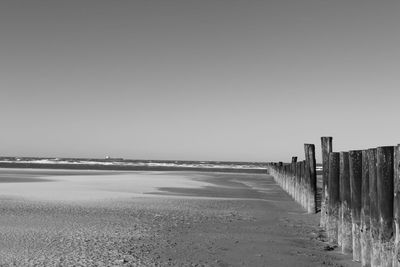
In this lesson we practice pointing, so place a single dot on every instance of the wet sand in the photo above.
(98, 218)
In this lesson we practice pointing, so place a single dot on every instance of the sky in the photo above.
(197, 80)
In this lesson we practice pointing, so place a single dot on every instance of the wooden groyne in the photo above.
(360, 198)
(299, 179)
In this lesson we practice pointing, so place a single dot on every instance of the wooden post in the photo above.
(345, 198)
(293, 177)
(296, 178)
(326, 145)
(311, 171)
(289, 178)
(396, 207)
(306, 183)
(298, 182)
(365, 212)
(305, 186)
(302, 186)
(284, 178)
(355, 184)
(385, 203)
(374, 210)
(288, 184)
(333, 201)
(301, 182)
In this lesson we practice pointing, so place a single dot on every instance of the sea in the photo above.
(131, 165)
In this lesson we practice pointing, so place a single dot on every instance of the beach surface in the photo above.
(111, 218)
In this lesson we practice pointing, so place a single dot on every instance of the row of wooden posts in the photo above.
(360, 199)
(299, 179)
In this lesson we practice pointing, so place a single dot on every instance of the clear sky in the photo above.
(197, 80)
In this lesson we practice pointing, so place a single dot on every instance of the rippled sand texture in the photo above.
(154, 219)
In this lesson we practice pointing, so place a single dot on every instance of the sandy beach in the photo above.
(110, 218)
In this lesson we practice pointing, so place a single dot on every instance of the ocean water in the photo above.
(126, 164)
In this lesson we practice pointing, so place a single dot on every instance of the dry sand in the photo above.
(96, 218)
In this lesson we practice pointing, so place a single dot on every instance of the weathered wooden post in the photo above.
(293, 177)
(300, 190)
(296, 182)
(355, 184)
(385, 177)
(275, 174)
(345, 229)
(288, 179)
(306, 182)
(365, 212)
(309, 150)
(279, 176)
(301, 181)
(396, 207)
(340, 210)
(302, 193)
(304, 170)
(284, 178)
(333, 201)
(374, 209)
(326, 145)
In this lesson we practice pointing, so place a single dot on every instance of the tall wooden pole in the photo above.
(302, 184)
(309, 150)
(326, 145)
(296, 181)
(293, 177)
(385, 177)
(333, 201)
(374, 209)
(355, 184)
(365, 212)
(345, 197)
